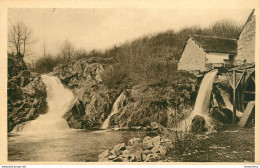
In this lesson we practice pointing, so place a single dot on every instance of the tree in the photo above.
(19, 38)
(67, 50)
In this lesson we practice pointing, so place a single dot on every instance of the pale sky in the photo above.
(103, 28)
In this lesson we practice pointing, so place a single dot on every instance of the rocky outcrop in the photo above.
(26, 93)
(148, 103)
(148, 149)
(93, 101)
(144, 103)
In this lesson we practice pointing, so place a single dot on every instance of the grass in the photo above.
(232, 144)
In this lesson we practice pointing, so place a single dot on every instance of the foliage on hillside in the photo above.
(149, 57)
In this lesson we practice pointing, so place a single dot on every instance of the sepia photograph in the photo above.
(131, 85)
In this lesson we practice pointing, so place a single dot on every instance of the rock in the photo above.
(126, 160)
(147, 152)
(139, 156)
(154, 157)
(162, 151)
(223, 115)
(147, 138)
(26, 94)
(154, 125)
(153, 142)
(198, 124)
(134, 141)
(103, 155)
(155, 150)
(129, 147)
(166, 142)
(119, 148)
(132, 158)
(113, 152)
(111, 157)
(125, 153)
(118, 159)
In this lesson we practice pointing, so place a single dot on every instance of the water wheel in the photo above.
(248, 91)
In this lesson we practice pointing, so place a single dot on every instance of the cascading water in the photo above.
(58, 99)
(118, 103)
(225, 97)
(201, 107)
(227, 102)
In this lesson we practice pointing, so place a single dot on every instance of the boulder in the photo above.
(155, 125)
(153, 142)
(111, 157)
(134, 141)
(119, 148)
(103, 156)
(198, 124)
(224, 115)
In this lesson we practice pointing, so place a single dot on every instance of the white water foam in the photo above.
(59, 99)
(201, 107)
(118, 103)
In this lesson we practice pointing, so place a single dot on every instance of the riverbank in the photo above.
(231, 144)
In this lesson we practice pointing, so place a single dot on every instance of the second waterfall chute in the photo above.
(115, 109)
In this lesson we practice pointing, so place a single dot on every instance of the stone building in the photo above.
(202, 53)
(246, 41)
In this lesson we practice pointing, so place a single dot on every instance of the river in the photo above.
(70, 145)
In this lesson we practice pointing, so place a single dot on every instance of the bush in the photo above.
(114, 76)
(46, 64)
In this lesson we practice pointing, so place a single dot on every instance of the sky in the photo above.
(103, 28)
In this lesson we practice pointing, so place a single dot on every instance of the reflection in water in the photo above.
(69, 145)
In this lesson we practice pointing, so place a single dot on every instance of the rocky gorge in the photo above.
(151, 105)
(26, 93)
(142, 103)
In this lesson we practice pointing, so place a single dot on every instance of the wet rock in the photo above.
(223, 115)
(198, 124)
(26, 94)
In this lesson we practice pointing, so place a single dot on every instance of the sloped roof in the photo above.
(248, 19)
(216, 44)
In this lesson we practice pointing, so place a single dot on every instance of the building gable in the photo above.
(246, 41)
(193, 57)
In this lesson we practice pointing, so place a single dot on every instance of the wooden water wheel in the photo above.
(248, 90)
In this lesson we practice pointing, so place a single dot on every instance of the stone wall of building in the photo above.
(246, 42)
(193, 57)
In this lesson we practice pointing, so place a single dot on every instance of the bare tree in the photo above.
(67, 50)
(19, 37)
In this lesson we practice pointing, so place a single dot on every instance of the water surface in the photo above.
(70, 146)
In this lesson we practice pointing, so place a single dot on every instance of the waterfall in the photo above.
(117, 104)
(227, 102)
(225, 97)
(58, 100)
(201, 107)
